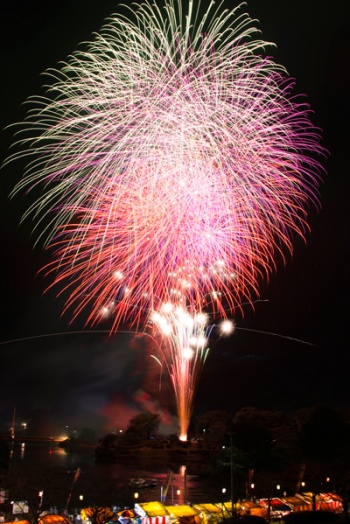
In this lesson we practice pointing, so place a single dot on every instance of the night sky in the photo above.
(85, 379)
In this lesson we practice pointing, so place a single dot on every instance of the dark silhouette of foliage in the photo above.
(324, 433)
(145, 424)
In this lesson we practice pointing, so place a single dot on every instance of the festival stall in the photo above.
(183, 514)
(324, 501)
(152, 513)
(16, 522)
(331, 502)
(249, 507)
(53, 519)
(276, 508)
(297, 503)
(226, 509)
(209, 513)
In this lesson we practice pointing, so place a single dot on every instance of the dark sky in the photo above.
(92, 379)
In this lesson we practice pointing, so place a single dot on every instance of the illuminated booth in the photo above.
(183, 514)
(152, 513)
(209, 513)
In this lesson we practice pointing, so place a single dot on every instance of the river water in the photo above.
(180, 482)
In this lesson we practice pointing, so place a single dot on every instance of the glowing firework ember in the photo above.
(176, 166)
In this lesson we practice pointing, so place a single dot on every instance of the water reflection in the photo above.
(184, 484)
(45, 454)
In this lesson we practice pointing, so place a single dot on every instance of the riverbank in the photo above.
(172, 455)
(174, 451)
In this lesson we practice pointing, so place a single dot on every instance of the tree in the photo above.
(109, 441)
(214, 425)
(251, 435)
(143, 426)
(323, 432)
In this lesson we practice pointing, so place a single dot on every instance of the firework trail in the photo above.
(176, 167)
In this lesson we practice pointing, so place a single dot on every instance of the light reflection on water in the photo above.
(184, 486)
(50, 455)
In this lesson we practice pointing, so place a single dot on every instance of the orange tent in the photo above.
(54, 519)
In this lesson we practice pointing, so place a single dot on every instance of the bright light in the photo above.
(167, 307)
(199, 341)
(156, 316)
(105, 311)
(201, 318)
(226, 327)
(166, 328)
(188, 353)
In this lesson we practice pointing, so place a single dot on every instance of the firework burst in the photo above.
(175, 161)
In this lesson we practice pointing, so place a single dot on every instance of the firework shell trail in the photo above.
(176, 163)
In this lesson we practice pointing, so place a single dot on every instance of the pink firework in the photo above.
(176, 165)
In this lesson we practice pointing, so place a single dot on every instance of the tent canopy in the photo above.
(182, 511)
(151, 509)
